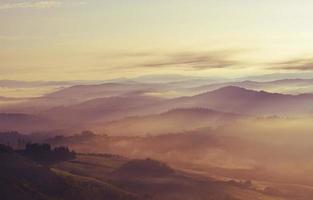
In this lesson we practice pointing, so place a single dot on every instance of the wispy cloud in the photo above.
(36, 4)
(18, 38)
(194, 60)
(31, 4)
(300, 64)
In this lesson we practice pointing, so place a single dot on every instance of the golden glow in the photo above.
(70, 40)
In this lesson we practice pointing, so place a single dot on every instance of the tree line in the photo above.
(41, 153)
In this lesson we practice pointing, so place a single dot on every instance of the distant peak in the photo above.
(234, 90)
(194, 110)
(231, 88)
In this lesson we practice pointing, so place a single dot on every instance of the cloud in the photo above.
(17, 38)
(35, 4)
(193, 60)
(301, 64)
(31, 4)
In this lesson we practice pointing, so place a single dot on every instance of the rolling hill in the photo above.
(96, 113)
(87, 92)
(155, 180)
(286, 86)
(25, 123)
(244, 101)
(21, 179)
(104, 109)
(168, 122)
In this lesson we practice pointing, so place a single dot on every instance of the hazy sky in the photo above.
(101, 39)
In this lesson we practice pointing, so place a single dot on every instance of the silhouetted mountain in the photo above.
(104, 109)
(167, 122)
(81, 93)
(87, 92)
(24, 122)
(244, 101)
(95, 113)
(287, 86)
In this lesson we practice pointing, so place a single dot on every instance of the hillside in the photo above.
(155, 180)
(104, 109)
(168, 122)
(260, 150)
(83, 93)
(97, 112)
(105, 176)
(147, 168)
(25, 122)
(287, 86)
(244, 101)
(21, 179)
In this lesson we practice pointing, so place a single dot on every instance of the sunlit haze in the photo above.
(156, 100)
(105, 39)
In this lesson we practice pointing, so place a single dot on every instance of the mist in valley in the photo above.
(265, 149)
(156, 100)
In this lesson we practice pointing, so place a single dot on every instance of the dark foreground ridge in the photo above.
(23, 179)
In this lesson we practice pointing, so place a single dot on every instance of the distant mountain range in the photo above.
(25, 122)
(31, 84)
(286, 86)
(74, 92)
(87, 92)
(84, 105)
(176, 120)
(244, 101)
(230, 99)
(103, 109)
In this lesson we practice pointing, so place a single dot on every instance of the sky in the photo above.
(104, 39)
